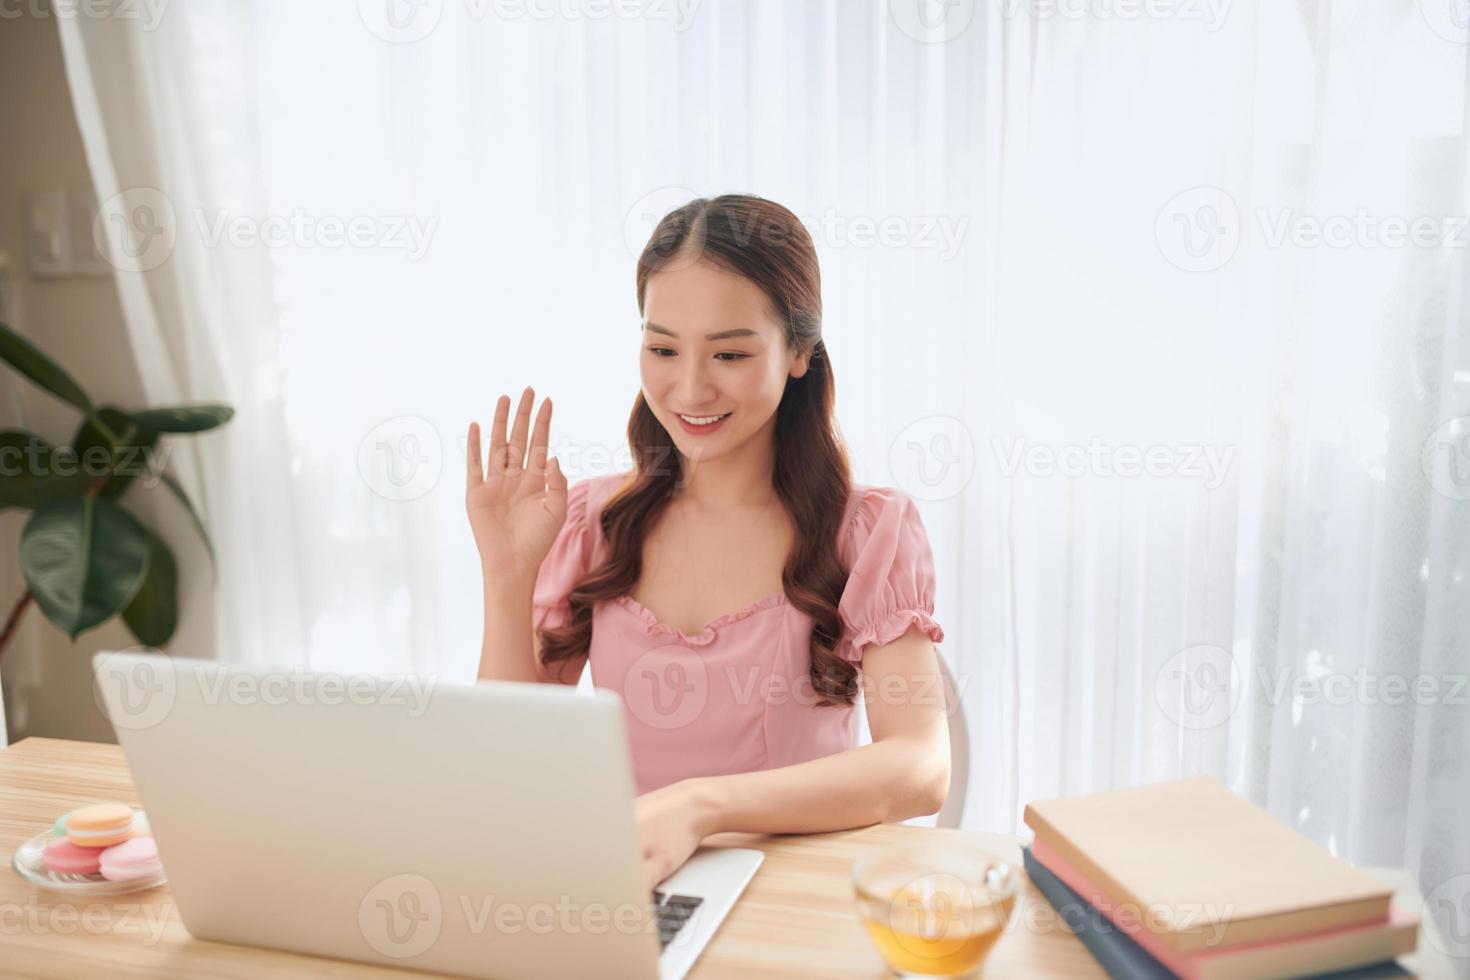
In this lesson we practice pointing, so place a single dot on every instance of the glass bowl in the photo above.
(28, 864)
(935, 908)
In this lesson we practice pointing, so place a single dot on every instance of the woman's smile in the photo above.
(701, 424)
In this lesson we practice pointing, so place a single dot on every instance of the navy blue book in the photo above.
(1120, 955)
(1117, 954)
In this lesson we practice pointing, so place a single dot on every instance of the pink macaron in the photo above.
(135, 858)
(64, 857)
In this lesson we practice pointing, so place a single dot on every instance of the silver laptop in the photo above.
(484, 830)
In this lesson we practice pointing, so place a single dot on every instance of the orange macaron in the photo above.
(100, 825)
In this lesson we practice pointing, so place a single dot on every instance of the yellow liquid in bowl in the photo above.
(936, 927)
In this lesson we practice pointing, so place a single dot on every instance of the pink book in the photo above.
(1277, 959)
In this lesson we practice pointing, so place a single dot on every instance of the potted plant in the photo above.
(84, 557)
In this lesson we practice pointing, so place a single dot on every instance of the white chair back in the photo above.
(959, 752)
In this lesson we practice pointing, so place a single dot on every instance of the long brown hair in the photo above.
(765, 243)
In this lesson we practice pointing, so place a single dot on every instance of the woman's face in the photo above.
(687, 372)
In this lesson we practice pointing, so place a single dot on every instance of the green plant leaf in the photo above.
(172, 484)
(28, 359)
(28, 472)
(125, 446)
(185, 418)
(154, 612)
(84, 558)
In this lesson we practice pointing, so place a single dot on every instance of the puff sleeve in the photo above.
(565, 564)
(890, 584)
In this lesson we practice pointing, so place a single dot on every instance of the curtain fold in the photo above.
(1051, 245)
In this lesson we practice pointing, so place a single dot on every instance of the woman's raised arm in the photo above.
(516, 502)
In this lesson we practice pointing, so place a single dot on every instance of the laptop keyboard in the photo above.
(672, 911)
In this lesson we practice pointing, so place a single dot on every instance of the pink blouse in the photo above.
(737, 696)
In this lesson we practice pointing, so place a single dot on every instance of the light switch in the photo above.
(86, 260)
(48, 234)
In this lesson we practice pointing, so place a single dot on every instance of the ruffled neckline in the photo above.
(653, 627)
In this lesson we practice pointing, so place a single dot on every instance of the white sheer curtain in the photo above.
(1154, 445)
(1244, 237)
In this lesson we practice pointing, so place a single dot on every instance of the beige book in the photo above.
(1204, 868)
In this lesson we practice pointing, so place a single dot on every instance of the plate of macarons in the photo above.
(102, 849)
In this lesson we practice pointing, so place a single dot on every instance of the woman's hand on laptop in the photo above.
(517, 501)
(672, 820)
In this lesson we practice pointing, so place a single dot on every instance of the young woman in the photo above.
(735, 588)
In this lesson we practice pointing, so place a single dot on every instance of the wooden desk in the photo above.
(796, 919)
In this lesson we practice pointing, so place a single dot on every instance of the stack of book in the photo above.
(1188, 879)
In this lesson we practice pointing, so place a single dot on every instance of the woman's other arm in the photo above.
(903, 773)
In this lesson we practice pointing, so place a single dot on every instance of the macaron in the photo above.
(64, 857)
(58, 829)
(136, 858)
(141, 826)
(100, 825)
